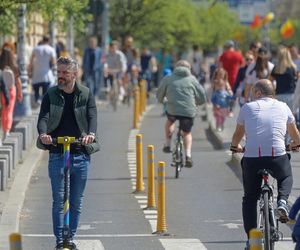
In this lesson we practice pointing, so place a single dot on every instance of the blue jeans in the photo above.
(79, 165)
(93, 82)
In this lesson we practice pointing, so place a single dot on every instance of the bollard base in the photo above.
(139, 192)
(161, 233)
(150, 208)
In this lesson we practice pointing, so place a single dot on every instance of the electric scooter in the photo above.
(66, 141)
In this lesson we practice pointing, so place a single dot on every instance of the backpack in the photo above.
(8, 77)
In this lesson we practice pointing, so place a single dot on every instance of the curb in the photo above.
(236, 158)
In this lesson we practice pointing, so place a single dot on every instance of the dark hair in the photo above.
(7, 60)
(70, 62)
(261, 66)
(45, 39)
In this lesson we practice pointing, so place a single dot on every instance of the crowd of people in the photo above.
(266, 90)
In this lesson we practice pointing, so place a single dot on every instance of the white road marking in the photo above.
(182, 244)
(92, 235)
(142, 201)
(150, 211)
(140, 196)
(85, 227)
(232, 225)
(89, 244)
(151, 216)
(153, 224)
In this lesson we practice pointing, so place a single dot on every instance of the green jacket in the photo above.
(183, 92)
(81, 95)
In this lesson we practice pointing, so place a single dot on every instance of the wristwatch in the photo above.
(93, 134)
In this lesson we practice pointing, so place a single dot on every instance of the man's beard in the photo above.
(62, 83)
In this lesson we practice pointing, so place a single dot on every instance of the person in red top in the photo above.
(231, 60)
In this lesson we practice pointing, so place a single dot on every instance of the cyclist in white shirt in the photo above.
(264, 122)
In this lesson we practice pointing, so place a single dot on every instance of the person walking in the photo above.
(231, 60)
(221, 96)
(265, 122)
(12, 81)
(68, 109)
(184, 93)
(285, 75)
(92, 66)
(40, 67)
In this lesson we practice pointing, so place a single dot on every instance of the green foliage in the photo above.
(7, 21)
(172, 24)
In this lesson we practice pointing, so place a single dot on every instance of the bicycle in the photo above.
(177, 153)
(267, 221)
(66, 141)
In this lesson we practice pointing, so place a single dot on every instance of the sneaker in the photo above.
(72, 245)
(188, 162)
(282, 210)
(167, 149)
(59, 246)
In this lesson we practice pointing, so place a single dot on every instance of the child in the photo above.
(221, 97)
(296, 231)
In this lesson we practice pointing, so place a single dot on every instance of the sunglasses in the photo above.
(249, 59)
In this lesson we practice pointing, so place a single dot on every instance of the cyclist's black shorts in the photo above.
(185, 123)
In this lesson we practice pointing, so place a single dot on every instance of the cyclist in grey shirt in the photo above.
(264, 122)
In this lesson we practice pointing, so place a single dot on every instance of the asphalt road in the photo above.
(203, 206)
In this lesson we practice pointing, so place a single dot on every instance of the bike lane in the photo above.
(111, 216)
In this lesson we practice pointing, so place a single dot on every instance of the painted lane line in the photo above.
(151, 216)
(153, 224)
(150, 211)
(140, 196)
(182, 244)
(92, 235)
(89, 244)
(142, 201)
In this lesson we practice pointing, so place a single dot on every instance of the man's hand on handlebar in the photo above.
(293, 147)
(46, 139)
(237, 149)
(88, 139)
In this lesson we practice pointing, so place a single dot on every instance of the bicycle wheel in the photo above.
(115, 95)
(267, 235)
(177, 160)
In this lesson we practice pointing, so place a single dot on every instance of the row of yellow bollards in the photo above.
(140, 102)
(161, 227)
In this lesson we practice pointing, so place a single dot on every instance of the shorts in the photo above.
(185, 123)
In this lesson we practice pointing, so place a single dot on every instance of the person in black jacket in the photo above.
(68, 109)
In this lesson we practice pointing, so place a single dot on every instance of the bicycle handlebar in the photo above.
(288, 148)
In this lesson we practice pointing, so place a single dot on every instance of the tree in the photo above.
(172, 24)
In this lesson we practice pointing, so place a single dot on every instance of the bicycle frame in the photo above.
(177, 153)
(266, 220)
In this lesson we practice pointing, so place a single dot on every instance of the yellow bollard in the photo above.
(136, 107)
(161, 227)
(15, 241)
(151, 190)
(255, 239)
(141, 97)
(143, 94)
(139, 164)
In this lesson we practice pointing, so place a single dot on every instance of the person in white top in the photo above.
(264, 122)
(42, 60)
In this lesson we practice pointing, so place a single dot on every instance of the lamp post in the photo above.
(23, 108)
